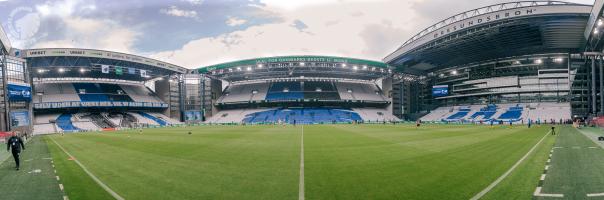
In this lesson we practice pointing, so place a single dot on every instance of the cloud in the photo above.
(64, 8)
(194, 2)
(316, 30)
(299, 4)
(176, 12)
(234, 21)
(96, 34)
(70, 29)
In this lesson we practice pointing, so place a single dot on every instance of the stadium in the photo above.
(499, 102)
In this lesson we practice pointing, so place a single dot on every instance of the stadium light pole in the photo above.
(601, 85)
(593, 85)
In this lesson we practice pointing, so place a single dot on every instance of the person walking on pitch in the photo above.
(15, 144)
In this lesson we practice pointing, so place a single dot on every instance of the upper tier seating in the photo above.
(320, 91)
(91, 92)
(281, 91)
(140, 93)
(359, 91)
(244, 93)
(101, 92)
(56, 92)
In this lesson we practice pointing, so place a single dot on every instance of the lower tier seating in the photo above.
(303, 116)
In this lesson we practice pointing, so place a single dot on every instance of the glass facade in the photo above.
(14, 71)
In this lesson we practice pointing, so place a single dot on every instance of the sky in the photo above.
(198, 33)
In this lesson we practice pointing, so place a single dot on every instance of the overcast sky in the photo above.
(196, 33)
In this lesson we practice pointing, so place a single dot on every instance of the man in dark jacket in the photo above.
(15, 144)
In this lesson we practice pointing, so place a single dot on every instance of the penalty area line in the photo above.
(504, 175)
(97, 180)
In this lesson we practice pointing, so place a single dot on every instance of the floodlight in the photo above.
(538, 61)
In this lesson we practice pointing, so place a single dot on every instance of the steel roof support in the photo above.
(601, 86)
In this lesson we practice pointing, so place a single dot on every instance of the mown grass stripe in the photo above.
(498, 180)
(97, 180)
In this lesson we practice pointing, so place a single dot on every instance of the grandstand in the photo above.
(311, 90)
(517, 113)
(90, 90)
(541, 71)
(515, 61)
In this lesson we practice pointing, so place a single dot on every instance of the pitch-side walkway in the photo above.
(35, 180)
(576, 169)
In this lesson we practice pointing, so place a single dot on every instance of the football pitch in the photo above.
(301, 162)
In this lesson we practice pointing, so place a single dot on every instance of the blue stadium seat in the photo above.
(64, 122)
(513, 113)
(303, 116)
(458, 115)
(486, 112)
(158, 120)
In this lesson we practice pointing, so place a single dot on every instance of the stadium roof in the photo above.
(491, 32)
(595, 27)
(4, 42)
(77, 63)
(93, 53)
(297, 66)
(282, 59)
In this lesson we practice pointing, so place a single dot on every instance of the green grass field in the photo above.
(340, 162)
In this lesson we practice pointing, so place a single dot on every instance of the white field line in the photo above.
(595, 195)
(538, 193)
(591, 136)
(301, 184)
(97, 180)
(498, 180)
